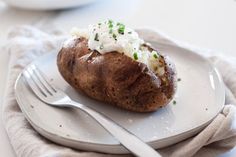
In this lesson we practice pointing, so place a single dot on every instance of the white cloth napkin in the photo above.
(27, 43)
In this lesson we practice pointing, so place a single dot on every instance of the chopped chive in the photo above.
(110, 23)
(99, 24)
(135, 56)
(114, 36)
(110, 31)
(174, 102)
(121, 29)
(118, 23)
(179, 79)
(96, 37)
(155, 56)
(129, 32)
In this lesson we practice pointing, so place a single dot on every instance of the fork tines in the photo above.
(37, 82)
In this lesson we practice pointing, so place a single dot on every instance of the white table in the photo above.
(210, 24)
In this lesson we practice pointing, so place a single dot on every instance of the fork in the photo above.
(52, 95)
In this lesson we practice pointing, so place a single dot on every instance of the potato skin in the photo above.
(115, 78)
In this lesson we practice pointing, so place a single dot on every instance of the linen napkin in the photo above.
(26, 43)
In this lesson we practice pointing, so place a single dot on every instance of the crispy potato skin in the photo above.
(116, 78)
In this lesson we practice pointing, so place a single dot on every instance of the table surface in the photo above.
(210, 24)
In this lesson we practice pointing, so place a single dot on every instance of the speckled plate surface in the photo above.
(200, 97)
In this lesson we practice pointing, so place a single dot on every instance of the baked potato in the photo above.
(116, 78)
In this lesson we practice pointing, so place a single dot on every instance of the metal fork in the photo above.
(51, 95)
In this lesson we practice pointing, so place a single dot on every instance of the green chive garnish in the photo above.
(135, 56)
(114, 36)
(121, 29)
(179, 79)
(129, 32)
(96, 37)
(110, 23)
(174, 102)
(155, 56)
(110, 31)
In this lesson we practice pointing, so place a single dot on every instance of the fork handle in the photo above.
(126, 138)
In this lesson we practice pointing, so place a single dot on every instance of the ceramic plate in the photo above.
(47, 4)
(200, 96)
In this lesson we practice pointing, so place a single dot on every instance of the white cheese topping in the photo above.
(108, 36)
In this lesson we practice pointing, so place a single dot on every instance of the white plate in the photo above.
(200, 96)
(47, 4)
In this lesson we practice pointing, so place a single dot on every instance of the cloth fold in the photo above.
(27, 43)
